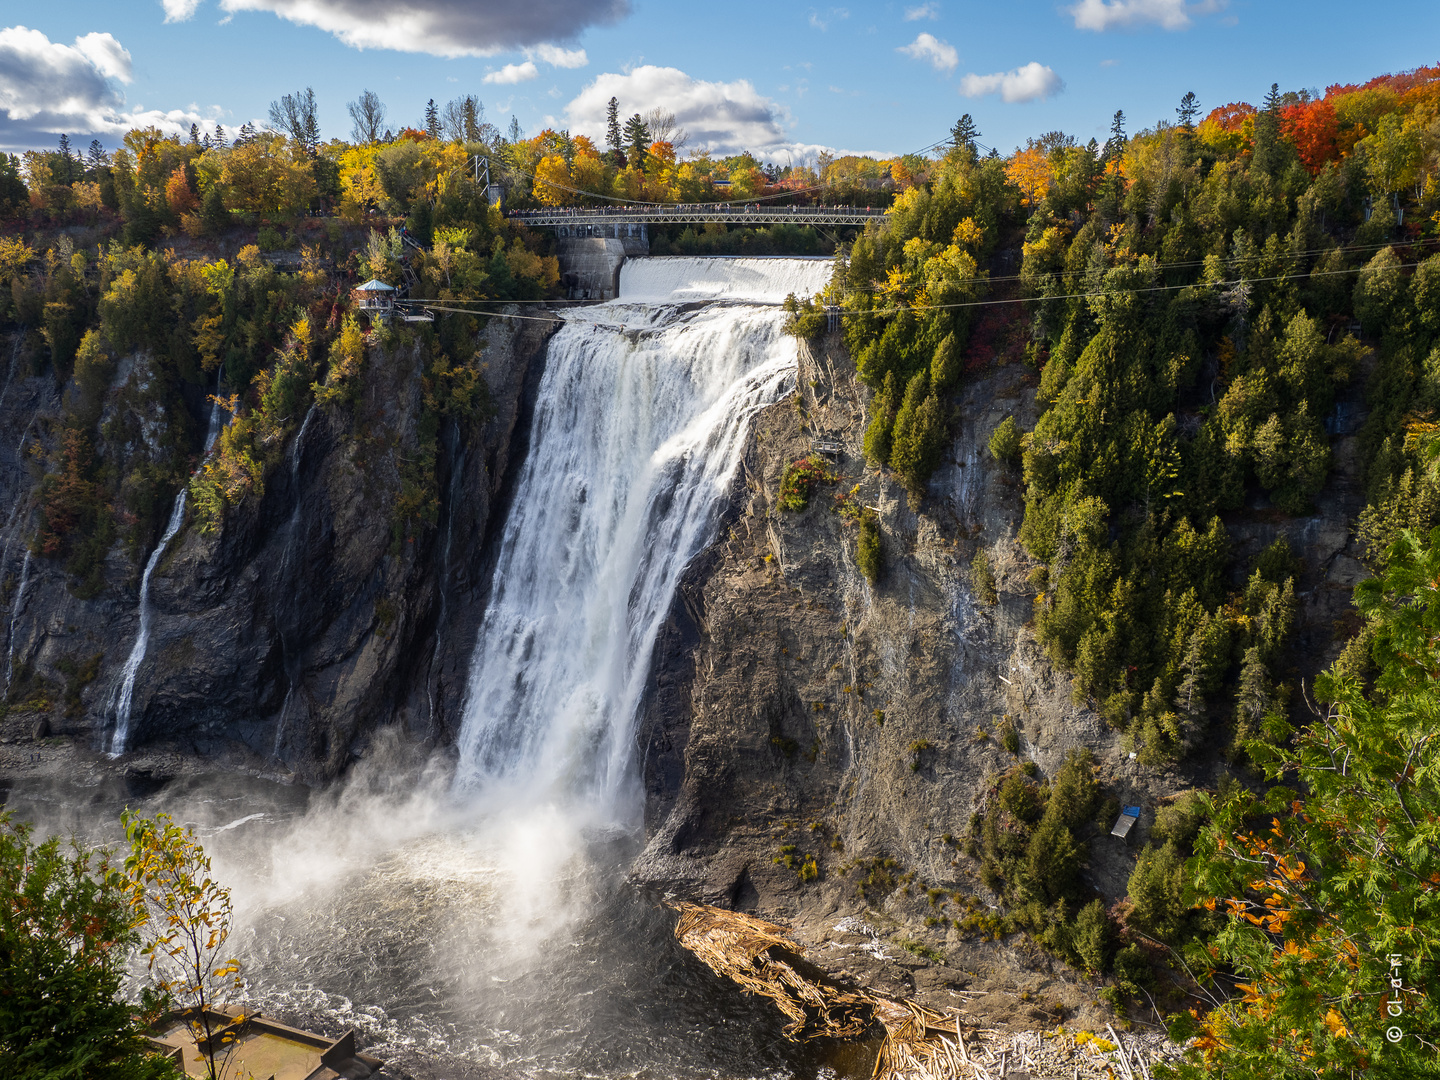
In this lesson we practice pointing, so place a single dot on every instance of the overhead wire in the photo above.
(993, 302)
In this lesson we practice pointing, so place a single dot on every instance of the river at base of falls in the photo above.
(460, 942)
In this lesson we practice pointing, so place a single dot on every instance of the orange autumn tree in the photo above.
(1029, 170)
(1314, 129)
(1332, 882)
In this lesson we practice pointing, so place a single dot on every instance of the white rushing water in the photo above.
(15, 606)
(142, 639)
(124, 699)
(641, 419)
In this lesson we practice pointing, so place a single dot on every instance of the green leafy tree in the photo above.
(1331, 884)
(65, 933)
(184, 919)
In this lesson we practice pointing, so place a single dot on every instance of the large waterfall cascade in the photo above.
(642, 416)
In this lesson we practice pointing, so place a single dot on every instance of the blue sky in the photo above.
(781, 79)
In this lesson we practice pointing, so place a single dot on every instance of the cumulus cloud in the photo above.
(924, 11)
(1101, 15)
(1033, 82)
(511, 74)
(47, 87)
(558, 57)
(939, 54)
(179, 10)
(441, 27)
(722, 118)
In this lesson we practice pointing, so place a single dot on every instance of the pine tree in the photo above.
(1188, 110)
(69, 160)
(214, 218)
(1267, 132)
(432, 119)
(612, 127)
(194, 134)
(882, 422)
(96, 158)
(220, 142)
(637, 140)
(905, 451)
(964, 133)
(1115, 144)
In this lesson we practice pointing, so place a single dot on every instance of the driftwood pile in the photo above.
(762, 958)
(919, 1044)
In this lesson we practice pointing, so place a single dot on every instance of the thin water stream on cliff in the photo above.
(471, 916)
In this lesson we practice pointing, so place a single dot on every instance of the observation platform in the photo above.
(611, 221)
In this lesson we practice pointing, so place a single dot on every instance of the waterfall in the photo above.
(125, 697)
(142, 639)
(289, 658)
(14, 615)
(642, 416)
(217, 425)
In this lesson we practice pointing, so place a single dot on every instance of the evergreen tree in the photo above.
(919, 436)
(214, 218)
(194, 134)
(220, 143)
(1188, 110)
(96, 158)
(637, 140)
(964, 133)
(516, 133)
(613, 139)
(432, 119)
(1267, 133)
(882, 422)
(66, 928)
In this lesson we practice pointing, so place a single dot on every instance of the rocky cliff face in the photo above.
(302, 625)
(802, 713)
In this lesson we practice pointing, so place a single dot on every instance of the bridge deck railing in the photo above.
(760, 215)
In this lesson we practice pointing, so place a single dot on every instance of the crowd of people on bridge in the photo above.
(686, 209)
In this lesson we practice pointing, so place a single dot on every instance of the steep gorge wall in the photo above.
(302, 624)
(799, 711)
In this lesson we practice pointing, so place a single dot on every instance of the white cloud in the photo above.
(721, 118)
(47, 88)
(110, 58)
(940, 55)
(511, 74)
(558, 57)
(822, 22)
(1101, 15)
(1033, 82)
(443, 27)
(179, 10)
(924, 11)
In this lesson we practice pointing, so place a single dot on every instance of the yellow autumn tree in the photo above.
(553, 181)
(1029, 170)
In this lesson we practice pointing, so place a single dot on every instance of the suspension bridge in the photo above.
(605, 220)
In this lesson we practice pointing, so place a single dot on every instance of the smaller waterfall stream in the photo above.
(142, 639)
(15, 607)
(126, 696)
(289, 652)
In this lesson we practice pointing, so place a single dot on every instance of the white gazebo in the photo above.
(375, 298)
